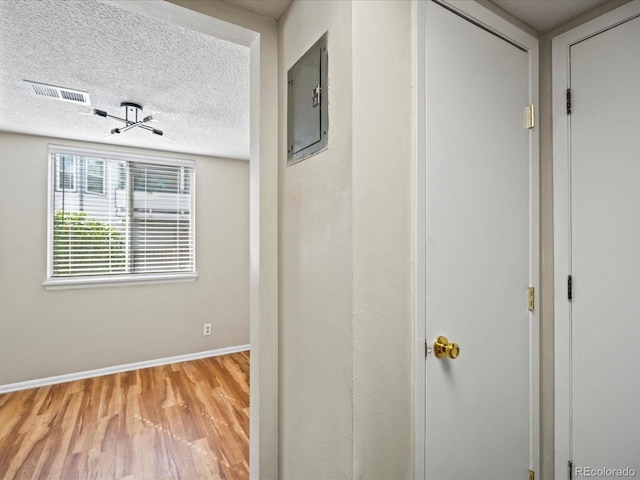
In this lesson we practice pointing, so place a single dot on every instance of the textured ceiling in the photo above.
(195, 84)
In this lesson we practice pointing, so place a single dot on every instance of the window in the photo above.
(66, 173)
(115, 217)
(94, 176)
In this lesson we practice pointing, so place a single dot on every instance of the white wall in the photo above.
(316, 349)
(383, 233)
(346, 229)
(46, 332)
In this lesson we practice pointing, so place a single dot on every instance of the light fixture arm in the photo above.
(132, 110)
(131, 125)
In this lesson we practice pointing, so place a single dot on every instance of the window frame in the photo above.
(61, 282)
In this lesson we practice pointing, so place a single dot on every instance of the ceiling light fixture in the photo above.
(132, 118)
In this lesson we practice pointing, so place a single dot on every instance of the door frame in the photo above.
(494, 23)
(260, 35)
(561, 223)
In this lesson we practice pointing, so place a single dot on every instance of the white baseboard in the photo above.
(70, 377)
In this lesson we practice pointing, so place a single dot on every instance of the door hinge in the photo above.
(532, 475)
(570, 288)
(531, 299)
(570, 469)
(568, 101)
(531, 116)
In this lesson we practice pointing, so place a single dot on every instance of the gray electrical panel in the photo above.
(307, 103)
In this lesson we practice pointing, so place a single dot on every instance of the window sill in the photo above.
(117, 281)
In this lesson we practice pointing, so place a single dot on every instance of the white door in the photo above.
(604, 262)
(479, 230)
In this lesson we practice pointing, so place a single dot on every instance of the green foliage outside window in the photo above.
(81, 243)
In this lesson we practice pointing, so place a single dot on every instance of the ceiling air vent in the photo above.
(61, 93)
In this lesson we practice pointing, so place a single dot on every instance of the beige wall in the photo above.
(346, 269)
(383, 232)
(55, 332)
(316, 298)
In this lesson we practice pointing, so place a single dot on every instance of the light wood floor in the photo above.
(186, 421)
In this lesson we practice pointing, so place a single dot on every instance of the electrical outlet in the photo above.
(207, 329)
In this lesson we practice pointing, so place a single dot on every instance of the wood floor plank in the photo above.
(182, 421)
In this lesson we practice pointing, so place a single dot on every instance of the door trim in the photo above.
(503, 28)
(561, 224)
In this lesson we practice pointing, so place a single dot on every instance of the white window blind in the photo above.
(114, 215)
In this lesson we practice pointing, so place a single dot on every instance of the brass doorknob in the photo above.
(442, 348)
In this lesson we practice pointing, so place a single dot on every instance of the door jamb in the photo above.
(262, 41)
(561, 224)
(505, 29)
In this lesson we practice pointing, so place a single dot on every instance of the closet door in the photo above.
(479, 241)
(602, 218)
